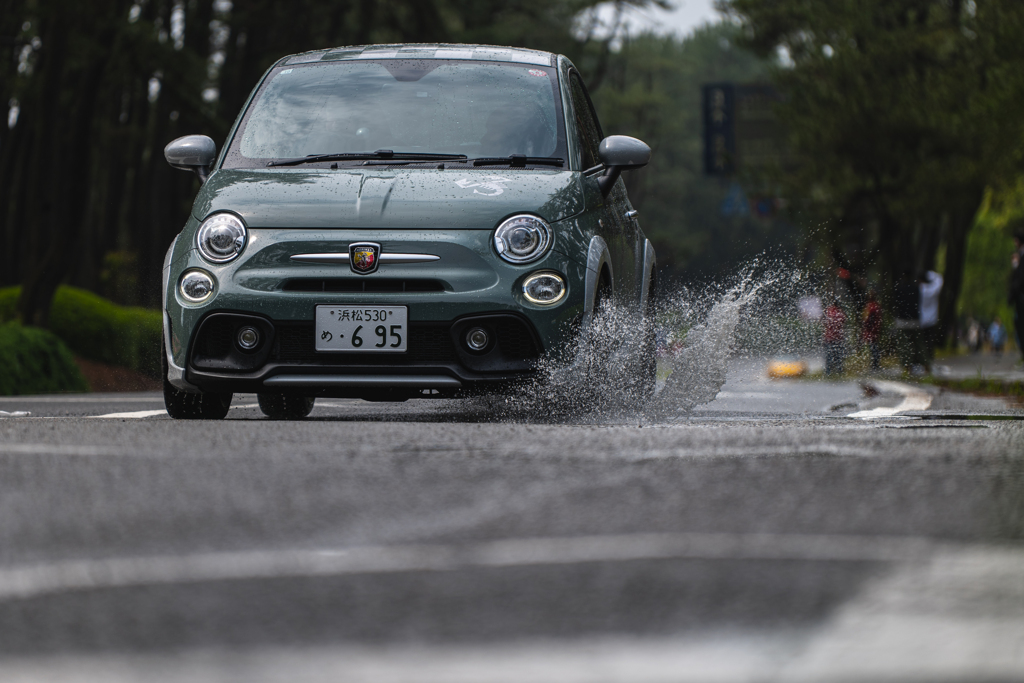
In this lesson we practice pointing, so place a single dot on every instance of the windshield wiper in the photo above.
(360, 156)
(517, 161)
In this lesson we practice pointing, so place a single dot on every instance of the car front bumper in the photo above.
(467, 282)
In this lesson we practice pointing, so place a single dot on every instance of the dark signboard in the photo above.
(740, 128)
(719, 131)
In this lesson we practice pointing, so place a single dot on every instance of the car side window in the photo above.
(587, 126)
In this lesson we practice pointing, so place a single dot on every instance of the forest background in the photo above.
(902, 118)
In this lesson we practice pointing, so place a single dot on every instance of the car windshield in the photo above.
(476, 109)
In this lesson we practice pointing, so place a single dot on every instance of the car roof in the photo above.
(489, 53)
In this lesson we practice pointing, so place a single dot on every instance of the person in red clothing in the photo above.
(871, 329)
(835, 338)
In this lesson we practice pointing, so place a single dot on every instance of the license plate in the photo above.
(362, 329)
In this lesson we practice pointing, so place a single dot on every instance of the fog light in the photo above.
(477, 339)
(544, 288)
(248, 338)
(196, 286)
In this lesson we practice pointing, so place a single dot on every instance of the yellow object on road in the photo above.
(780, 368)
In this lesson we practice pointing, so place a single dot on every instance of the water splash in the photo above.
(611, 377)
(697, 371)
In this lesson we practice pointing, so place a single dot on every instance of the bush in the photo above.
(98, 329)
(987, 265)
(35, 361)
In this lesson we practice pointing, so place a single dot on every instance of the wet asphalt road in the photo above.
(765, 536)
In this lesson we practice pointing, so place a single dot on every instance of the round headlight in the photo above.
(196, 286)
(544, 288)
(522, 239)
(221, 237)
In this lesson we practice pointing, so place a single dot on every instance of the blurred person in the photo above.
(851, 276)
(906, 307)
(929, 286)
(835, 338)
(1016, 298)
(871, 329)
(973, 335)
(809, 307)
(997, 335)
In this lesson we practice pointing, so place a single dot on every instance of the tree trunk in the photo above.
(960, 226)
(63, 132)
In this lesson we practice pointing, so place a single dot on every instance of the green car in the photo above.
(397, 221)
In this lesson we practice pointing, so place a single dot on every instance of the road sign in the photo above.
(741, 132)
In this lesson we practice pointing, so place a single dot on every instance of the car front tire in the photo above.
(285, 406)
(182, 405)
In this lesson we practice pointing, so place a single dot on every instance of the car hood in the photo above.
(413, 198)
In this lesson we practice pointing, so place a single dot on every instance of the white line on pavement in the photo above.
(136, 415)
(913, 399)
(82, 399)
(923, 621)
(56, 449)
(140, 414)
(715, 657)
(747, 394)
(19, 582)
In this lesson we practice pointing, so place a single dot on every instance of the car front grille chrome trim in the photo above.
(384, 258)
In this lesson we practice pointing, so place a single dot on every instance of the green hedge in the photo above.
(98, 329)
(35, 361)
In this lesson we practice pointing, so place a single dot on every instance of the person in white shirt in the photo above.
(929, 286)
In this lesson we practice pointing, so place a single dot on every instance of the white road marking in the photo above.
(26, 581)
(56, 449)
(136, 415)
(748, 394)
(81, 399)
(716, 657)
(957, 617)
(913, 399)
(140, 414)
(929, 619)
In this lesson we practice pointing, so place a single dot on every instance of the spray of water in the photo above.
(692, 334)
(698, 370)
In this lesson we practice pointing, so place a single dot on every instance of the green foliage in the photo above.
(901, 113)
(980, 385)
(652, 90)
(35, 361)
(99, 330)
(987, 268)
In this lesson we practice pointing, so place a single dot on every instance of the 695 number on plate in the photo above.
(361, 329)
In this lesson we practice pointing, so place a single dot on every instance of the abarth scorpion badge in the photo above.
(363, 257)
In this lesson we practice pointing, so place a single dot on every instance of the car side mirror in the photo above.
(620, 153)
(192, 153)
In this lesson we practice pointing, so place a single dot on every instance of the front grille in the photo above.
(362, 284)
(427, 343)
(514, 339)
(217, 339)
